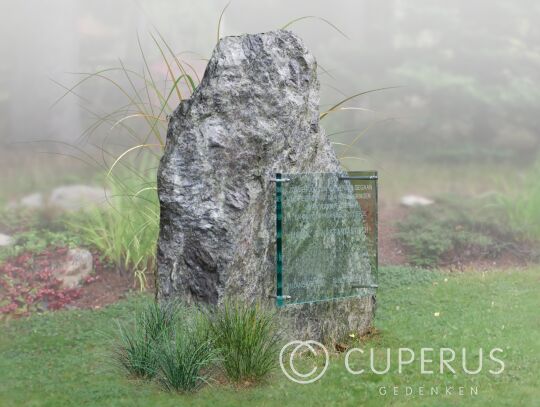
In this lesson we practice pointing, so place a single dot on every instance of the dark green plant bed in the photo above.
(455, 232)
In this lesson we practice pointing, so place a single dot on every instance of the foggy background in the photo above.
(467, 72)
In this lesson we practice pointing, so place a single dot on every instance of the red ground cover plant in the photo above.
(28, 283)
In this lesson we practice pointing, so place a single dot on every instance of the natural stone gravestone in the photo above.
(254, 114)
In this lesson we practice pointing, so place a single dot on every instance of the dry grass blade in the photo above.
(147, 66)
(362, 109)
(337, 105)
(169, 68)
(89, 75)
(157, 118)
(188, 79)
(195, 74)
(220, 19)
(315, 18)
(348, 146)
(127, 152)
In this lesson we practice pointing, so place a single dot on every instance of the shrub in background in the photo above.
(452, 230)
(523, 206)
(125, 230)
(185, 361)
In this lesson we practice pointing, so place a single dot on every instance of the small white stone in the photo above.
(77, 197)
(33, 201)
(415, 200)
(5, 240)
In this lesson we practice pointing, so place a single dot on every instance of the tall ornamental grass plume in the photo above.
(186, 361)
(137, 348)
(147, 97)
(246, 337)
(126, 229)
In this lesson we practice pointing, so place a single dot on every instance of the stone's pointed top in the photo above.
(257, 89)
(276, 59)
(286, 40)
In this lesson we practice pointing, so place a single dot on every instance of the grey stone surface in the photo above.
(66, 198)
(34, 201)
(77, 197)
(73, 267)
(5, 240)
(255, 113)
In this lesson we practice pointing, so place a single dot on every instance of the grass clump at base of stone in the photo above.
(183, 347)
(166, 342)
(186, 361)
(246, 337)
(138, 346)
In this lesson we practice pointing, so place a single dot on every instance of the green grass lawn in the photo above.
(61, 359)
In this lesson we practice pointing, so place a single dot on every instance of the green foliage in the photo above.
(186, 360)
(55, 359)
(36, 240)
(11, 219)
(125, 231)
(454, 229)
(247, 339)
(523, 207)
(180, 346)
(167, 343)
(137, 350)
(402, 276)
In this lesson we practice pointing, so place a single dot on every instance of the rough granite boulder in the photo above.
(72, 268)
(255, 113)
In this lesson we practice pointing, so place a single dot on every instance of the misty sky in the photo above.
(468, 71)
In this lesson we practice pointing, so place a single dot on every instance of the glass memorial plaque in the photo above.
(325, 249)
(365, 190)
